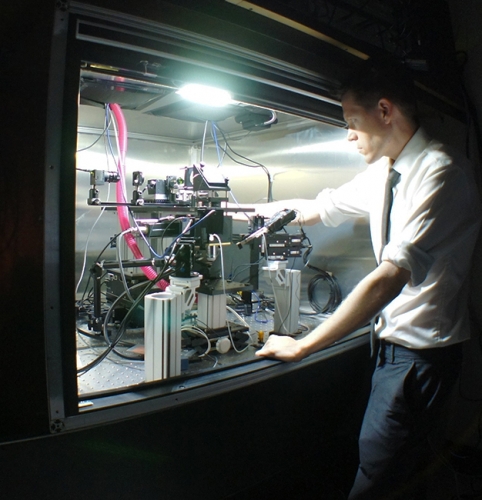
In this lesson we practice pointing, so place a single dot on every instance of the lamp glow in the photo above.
(202, 94)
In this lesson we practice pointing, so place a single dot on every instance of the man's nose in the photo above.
(351, 135)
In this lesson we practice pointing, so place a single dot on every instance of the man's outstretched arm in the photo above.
(367, 299)
(307, 210)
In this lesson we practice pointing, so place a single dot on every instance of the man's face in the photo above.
(367, 128)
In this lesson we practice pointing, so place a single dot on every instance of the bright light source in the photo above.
(202, 94)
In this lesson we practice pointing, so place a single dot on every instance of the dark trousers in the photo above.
(409, 388)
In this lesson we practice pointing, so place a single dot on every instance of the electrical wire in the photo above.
(238, 316)
(122, 327)
(237, 203)
(216, 143)
(107, 125)
(258, 308)
(108, 143)
(84, 261)
(255, 163)
(112, 343)
(225, 293)
(198, 331)
(97, 260)
(243, 267)
(170, 249)
(204, 140)
(172, 219)
(119, 261)
(335, 295)
(107, 120)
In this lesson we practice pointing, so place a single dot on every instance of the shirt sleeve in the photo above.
(434, 220)
(351, 200)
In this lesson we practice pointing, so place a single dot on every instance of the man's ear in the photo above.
(385, 108)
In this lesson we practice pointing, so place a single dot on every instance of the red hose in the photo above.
(122, 210)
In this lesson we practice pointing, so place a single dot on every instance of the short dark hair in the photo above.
(375, 79)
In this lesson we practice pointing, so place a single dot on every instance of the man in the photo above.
(419, 288)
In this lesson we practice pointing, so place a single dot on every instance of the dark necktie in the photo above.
(392, 181)
(393, 178)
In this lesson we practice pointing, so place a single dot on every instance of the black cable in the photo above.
(245, 267)
(122, 327)
(86, 333)
(335, 297)
(97, 260)
(121, 330)
(335, 294)
(123, 324)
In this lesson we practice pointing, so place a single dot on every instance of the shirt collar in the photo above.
(417, 143)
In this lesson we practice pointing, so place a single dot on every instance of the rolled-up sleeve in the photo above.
(433, 222)
(410, 257)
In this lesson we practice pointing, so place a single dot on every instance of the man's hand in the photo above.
(282, 347)
(369, 297)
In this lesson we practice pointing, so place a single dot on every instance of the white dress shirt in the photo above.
(434, 224)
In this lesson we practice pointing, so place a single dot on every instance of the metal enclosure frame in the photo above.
(297, 89)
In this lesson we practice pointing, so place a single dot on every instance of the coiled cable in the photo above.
(334, 298)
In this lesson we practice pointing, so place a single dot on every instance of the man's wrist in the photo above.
(304, 348)
(314, 341)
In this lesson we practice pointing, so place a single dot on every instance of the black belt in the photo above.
(390, 352)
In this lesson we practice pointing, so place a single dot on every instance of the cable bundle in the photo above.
(335, 292)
